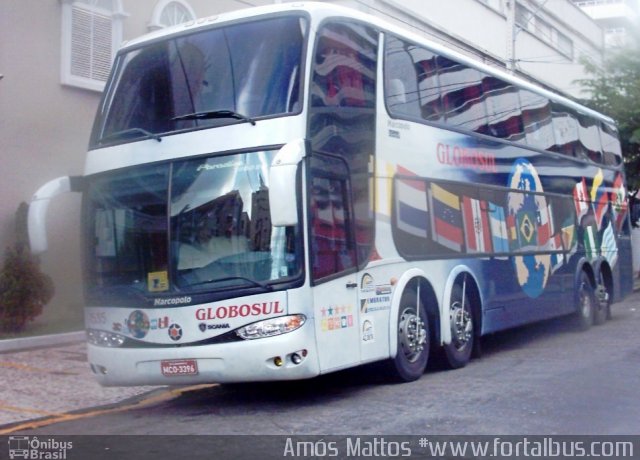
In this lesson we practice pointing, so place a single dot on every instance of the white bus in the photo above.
(291, 190)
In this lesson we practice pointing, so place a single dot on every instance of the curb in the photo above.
(25, 343)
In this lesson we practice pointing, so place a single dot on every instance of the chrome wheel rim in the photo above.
(461, 325)
(585, 301)
(412, 334)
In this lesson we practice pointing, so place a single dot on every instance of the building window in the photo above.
(523, 17)
(565, 45)
(91, 33)
(170, 13)
(543, 29)
(495, 4)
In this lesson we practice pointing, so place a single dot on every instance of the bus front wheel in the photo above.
(413, 340)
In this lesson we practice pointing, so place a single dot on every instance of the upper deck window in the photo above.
(251, 68)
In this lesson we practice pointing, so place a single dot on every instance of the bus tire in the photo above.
(603, 301)
(457, 353)
(586, 303)
(413, 337)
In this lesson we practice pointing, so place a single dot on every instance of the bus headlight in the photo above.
(271, 327)
(104, 338)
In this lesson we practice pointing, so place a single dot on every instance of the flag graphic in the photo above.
(412, 212)
(568, 233)
(476, 225)
(498, 228)
(446, 218)
(557, 258)
(545, 224)
(609, 247)
(590, 236)
(599, 197)
(619, 200)
(598, 179)
(526, 222)
(580, 198)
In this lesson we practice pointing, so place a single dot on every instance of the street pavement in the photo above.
(50, 382)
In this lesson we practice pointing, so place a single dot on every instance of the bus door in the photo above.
(333, 262)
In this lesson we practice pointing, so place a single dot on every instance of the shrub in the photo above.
(24, 289)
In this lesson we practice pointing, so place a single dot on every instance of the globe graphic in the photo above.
(525, 205)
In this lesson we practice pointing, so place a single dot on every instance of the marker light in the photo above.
(104, 338)
(278, 361)
(271, 327)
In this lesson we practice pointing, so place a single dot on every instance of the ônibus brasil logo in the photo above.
(29, 447)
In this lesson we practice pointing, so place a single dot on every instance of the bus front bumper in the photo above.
(289, 356)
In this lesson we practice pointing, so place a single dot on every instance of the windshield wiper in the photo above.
(212, 114)
(254, 283)
(131, 132)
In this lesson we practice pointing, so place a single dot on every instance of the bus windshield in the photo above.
(186, 226)
(205, 79)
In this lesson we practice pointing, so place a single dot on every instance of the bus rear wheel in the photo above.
(413, 340)
(603, 301)
(586, 300)
(457, 353)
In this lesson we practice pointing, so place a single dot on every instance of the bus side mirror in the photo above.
(37, 217)
(283, 202)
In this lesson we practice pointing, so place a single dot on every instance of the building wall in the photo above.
(480, 28)
(45, 126)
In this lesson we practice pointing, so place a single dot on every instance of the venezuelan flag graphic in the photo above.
(446, 218)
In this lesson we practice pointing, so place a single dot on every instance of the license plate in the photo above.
(172, 368)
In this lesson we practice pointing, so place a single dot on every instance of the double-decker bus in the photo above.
(291, 190)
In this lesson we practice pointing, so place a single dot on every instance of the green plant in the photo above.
(24, 289)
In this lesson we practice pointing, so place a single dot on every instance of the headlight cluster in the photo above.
(271, 327)
(104, 338)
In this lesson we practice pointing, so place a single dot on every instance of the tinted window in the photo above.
(401, 81)
(331, 224)
(461, 89)
(504, 119)
(536, 118)
(252, 68)
(589, 138)
(612, 153)
(342, 112)
(344, 67)
(565, 129)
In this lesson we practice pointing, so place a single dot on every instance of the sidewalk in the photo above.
(48, 376)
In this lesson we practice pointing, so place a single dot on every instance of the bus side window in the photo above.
(536, 118)
(331, 238)
(565, 129)
(612, 153)
(462, 95)
(401, 81)
(344, 68)
(589, 138)
(504, 117)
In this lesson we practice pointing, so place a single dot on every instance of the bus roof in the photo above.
(321, 11)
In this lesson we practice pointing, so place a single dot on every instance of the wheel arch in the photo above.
(603, 267)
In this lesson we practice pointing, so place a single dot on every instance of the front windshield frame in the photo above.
(242, 88)
(139, 217)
